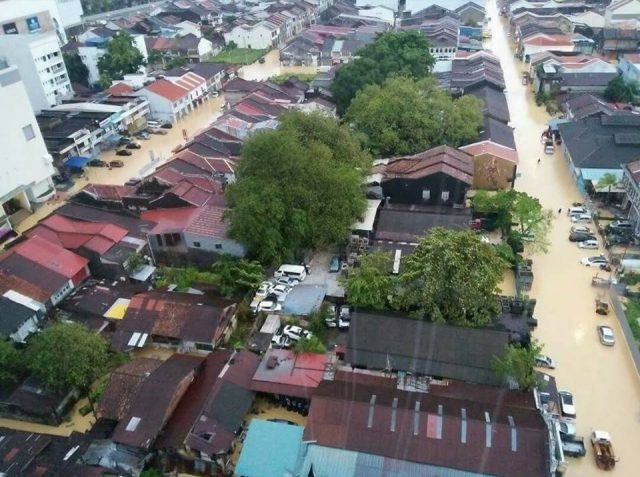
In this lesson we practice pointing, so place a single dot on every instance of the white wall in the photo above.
(258, 38)
(205, 47)
(70, 12)
(24, 164)
(160, 108)
(21, 8)
(90, 56)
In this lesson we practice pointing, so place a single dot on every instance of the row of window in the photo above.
(443, 50)
(426, 195)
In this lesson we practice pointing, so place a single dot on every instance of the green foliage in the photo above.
(631, 278)
(632, 312)
(121, 58)
(403, 116)
(317, 321)
(305, 77)
(452, 276)
(505, 252)
(134, 261)
(618, 91)
(517, 363)
(11, 363)
(298, 186)
(176, 61)
(237, 277)
(608, 180)
(542, 97)
(238, 56)
(309, 345)
(370, 284)
(403, 53)
(151, 472)
(67, 356)
(517, 212)
(78, 72)
(232, 45)
(183, 278)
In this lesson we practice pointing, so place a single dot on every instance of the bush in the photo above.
(632, 278)
(632, 313)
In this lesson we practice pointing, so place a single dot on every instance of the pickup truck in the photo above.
(603, 450)
(573, 446)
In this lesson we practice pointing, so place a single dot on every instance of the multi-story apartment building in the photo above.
(41, 65)
(25, 166)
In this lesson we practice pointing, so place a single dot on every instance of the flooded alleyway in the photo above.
(271, 67)
(603, 380)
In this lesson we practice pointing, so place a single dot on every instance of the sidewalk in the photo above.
(624, 324)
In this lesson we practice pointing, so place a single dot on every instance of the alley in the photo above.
(603, 380)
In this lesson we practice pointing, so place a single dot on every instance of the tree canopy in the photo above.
(66, 356)
(11, 364)
(452, 276)
(298, 186)
(78, 72)
(517, 363)
(237, 277)
(403, 116)
(370, 284)
(403, 53)
(309, 345)
(517, 212)
(619, 91)
(121, 58)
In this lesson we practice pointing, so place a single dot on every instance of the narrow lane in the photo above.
(603, 380)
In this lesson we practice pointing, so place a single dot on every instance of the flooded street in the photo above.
(271, 67)
(603, 380)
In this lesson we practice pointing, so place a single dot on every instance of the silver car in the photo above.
(605, 333)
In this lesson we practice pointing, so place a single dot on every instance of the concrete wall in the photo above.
(630, 71)
(215, 245)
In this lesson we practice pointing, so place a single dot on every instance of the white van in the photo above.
(153, 124)
(576, 211)
(297, 272)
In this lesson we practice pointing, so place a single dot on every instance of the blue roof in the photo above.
(77, 161)
(270, 449)
(304, 299)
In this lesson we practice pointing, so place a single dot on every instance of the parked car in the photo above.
(581, 218)
(591, 243)
(255, 303)
(97, 163)
(331, 320)
(143, 135)
(580, 237)
(605, 333)
(123, 152)
(595, 261)
(263, 289)
(116, 163)
(287, 281)
(133, 145)
(545, 361)
(280, 291)
(161, 132)
(620, 225)
(153, 124)
(567, 405)
(581, 229)
(166, 125)
(344, 318)
(269, 305)
(334, 265)
(280, 342)
(576, 210)
(296, 333)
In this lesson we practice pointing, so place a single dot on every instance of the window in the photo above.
(445, 195)
(218, 246)
(196, 244)
(426, 194)
(28, 133)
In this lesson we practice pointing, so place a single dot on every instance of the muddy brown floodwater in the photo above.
(604, 380)
(271, 67)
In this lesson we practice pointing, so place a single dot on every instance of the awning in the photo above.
(77, 161)
(553, 123)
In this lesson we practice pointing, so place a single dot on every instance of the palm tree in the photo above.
(608, 180)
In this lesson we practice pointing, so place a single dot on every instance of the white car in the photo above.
(280, 342)
(264, 289)
(255, 303)
(576, 210)
(595, 261)
(280, 292)
(581, 218)
(296, 333)
(287, 281)
(566, 404)
(588, 244)
(344, 319)
(605, 333)
(330, 320)
(545, 361)
(269, 305)
(580, 229)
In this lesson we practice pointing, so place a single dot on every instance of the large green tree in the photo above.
(402, 53)
(607, 181)
(370, 284)
(78, 72)
(403, 116)
(452, 277)
(297, 187)
(67, 356)
(517, 364)
(11, 363)
(620, 91)
(237, 277)
(121, 58)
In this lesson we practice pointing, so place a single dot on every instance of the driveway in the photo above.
(320, 275)
(603, 380)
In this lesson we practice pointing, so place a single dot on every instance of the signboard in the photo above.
(10, 29)
(33, 24)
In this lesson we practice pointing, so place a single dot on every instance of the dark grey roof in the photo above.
(587, 79)
(585, 105)
(207, 69)
(591, 142)
(12, 316)
(136, 227)
(36, 274)
(380, 341)
(402, 223)
(495, 103)
(498, 132)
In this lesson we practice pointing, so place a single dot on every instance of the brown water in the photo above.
(271, 67)
(603, 380)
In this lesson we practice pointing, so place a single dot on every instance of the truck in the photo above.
(603, 450)
(573, 446)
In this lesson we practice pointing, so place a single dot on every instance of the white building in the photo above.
(31, 16)
(39, 59)
(25, 166)
(167, 101)
(260, 36)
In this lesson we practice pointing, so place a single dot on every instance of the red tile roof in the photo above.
(167, 89)
(50, 256)
(443, 159)
(108, 192)
(492, 148)
(25, 287)
(205, 221)
(189, 81)
(283, 372)
(120, 89)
